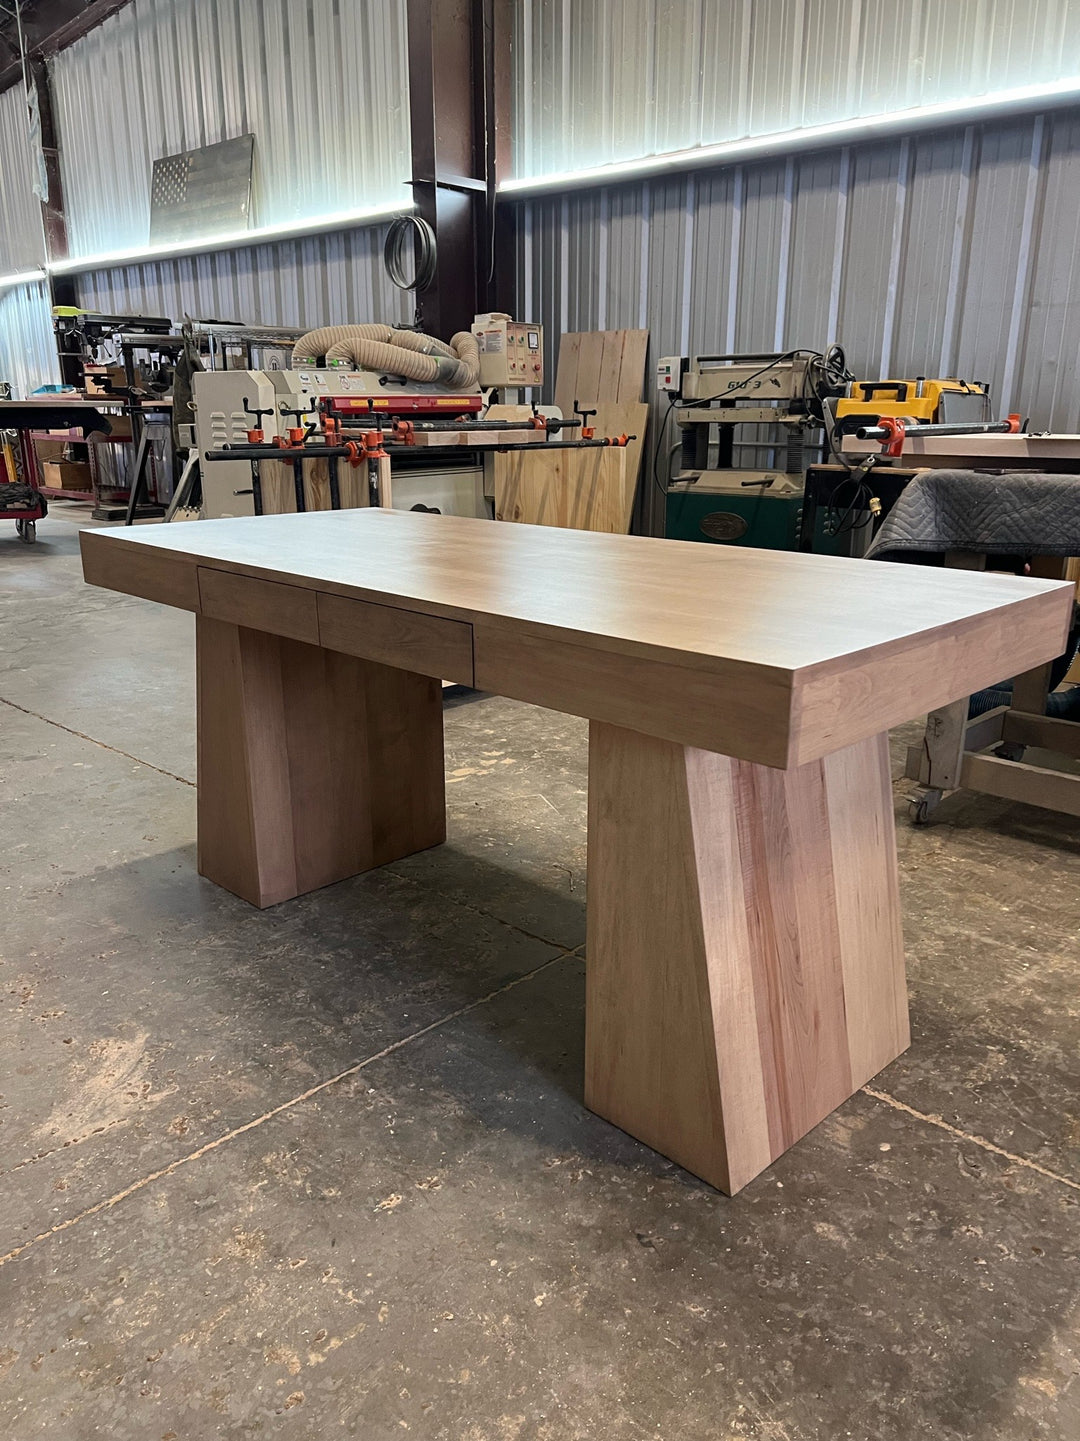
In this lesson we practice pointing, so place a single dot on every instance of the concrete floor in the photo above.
(325, 1170)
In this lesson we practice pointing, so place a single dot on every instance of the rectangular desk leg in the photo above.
(744, 961)
(313, 765)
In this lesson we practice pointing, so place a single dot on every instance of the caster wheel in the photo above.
(921, 808)
(26, 530)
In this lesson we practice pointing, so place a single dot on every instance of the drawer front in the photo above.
(287, 610)
(428, 644)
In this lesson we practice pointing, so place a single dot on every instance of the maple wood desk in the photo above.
(744, 958)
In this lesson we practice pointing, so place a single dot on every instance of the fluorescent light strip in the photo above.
(235, 240)
(21, 277)
(779, 142)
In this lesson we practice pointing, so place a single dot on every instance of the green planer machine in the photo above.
(704, 510)
(776, 403)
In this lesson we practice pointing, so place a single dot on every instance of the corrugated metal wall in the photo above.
(27, 347)
(604, 80)
(22, 246)
(320, 280)
(937, 254)
(322, 84)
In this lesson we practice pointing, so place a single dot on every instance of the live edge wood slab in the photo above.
(745, 971)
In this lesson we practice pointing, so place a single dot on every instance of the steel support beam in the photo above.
(63, 288)
(52, 25)
(459, 64)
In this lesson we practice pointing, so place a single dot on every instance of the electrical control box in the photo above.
(669, 373)
(511, 352)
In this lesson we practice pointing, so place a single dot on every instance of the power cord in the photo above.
(862, 499)
(659, 441)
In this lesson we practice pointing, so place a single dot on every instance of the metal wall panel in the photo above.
(604, 80)
(319, 280)
(948, 253)
(22, 245)
(27, 346)
(322, 85)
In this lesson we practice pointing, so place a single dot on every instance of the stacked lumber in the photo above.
(604, 371)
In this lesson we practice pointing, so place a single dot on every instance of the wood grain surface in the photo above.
(600, 365)
(626, 417)
(427, 644)
(834, 649)
(288, 610)
(312, 765)
(744, 961)
(578, 489)
(279, 486)
(575, 489)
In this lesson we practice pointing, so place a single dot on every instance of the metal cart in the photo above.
(20, 498)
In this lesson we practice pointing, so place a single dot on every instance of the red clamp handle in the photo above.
(895, 431)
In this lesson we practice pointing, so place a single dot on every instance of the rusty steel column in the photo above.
(52, 207)
(459, 64)
(63, 288)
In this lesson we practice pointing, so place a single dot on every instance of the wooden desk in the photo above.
(744, 956)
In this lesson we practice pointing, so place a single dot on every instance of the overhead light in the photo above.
(21, 277)
(234, 240)
(729, 152)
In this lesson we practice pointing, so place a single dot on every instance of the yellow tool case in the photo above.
(929, 401)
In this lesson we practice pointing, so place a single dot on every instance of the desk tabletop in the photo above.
(771, 608)
(772, 616)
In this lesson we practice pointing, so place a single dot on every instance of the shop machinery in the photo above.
(796, 416)
(233, 405)
(767, 409)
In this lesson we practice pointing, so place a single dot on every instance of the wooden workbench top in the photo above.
(800, 653)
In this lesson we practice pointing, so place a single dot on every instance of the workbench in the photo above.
(745, 970)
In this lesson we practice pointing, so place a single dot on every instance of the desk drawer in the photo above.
(428, 644)
(287, 610)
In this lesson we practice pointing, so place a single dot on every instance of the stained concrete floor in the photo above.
(325, 1170)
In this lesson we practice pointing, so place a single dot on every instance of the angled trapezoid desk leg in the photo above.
(744, 963)
(313, 766)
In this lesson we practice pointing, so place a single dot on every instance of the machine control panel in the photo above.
(669, 373)
(511, 351)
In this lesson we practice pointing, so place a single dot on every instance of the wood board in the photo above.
(600, 365)
(576, 491)
(508, 412)
(279, 488)
(626, 417)
(572, 489)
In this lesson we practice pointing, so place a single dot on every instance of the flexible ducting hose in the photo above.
(396, 352)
